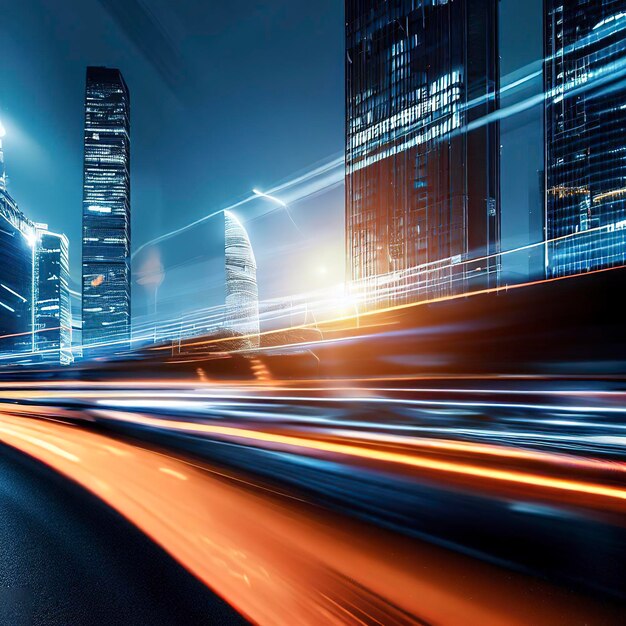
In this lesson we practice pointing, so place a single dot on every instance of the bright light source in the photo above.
(3, 131)
(31, 239)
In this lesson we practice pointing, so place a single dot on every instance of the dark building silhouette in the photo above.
(106, 310)
(422, 168)
(585, 118)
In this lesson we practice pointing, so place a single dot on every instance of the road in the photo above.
(69, 559)
(479, 501)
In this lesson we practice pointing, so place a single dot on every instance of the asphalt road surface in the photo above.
(68, 559)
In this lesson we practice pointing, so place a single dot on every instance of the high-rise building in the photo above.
(242, 294)
(422, 169)
(35, 316)
(53, 315)
(106, 312)
(585, 118)
(17, 249)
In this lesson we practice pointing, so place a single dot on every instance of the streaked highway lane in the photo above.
(281, 529)
(66, 558)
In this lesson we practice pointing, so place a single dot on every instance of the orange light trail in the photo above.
(280, 561)
(414, 461)
(504, 452)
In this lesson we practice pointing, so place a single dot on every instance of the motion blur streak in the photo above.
(355, 319)
(321, 177)
(380, 455)
(279, 560)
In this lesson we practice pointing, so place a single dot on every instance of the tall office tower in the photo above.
(422, 168)
(17, 240)
(242, 294)
(53, 315)
(585, 118)
(106, 213)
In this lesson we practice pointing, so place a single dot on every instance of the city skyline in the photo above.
(320, 220)
(450, 116)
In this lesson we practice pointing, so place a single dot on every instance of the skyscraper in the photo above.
(17, 241)
(242, 295)
(585, 118)
(106, 212)
(422, 173)
(53, 315)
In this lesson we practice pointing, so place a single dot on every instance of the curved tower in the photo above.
(242, 294)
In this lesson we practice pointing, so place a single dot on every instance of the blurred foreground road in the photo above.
(66, 558)
(357, 502)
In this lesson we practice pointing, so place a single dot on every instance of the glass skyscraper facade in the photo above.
(242, 294)
(16, 277)
(53, 315)
(17, 241)
(422, 167)
(106, 307)
(585, 118)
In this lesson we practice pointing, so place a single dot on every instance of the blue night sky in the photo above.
(225, 97)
